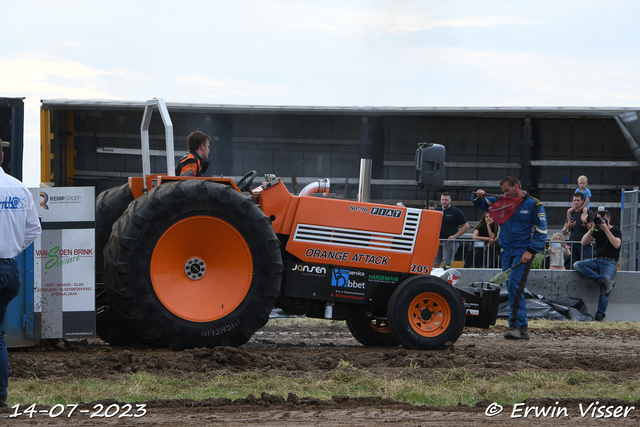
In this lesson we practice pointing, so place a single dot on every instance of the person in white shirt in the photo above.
(19, 226)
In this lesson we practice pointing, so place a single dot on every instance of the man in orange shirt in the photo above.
(194, 162)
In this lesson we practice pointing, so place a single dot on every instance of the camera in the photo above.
(598, 220)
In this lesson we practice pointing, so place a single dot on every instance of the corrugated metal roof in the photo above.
(12, 102)
(64, 104)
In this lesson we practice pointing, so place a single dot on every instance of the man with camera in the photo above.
(601, 269)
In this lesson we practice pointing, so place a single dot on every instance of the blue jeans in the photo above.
(515, 286)
(579, 252)
(9, 289)
(595, 270)
(446, 253)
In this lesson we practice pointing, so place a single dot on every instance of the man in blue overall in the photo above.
(522, 236)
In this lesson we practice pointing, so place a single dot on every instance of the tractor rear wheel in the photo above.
(110, 205)
(369, 327)
(193, 264)
(426, 313)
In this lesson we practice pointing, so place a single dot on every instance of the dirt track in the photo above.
(317, 351)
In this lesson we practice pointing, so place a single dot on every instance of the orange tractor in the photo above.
(202, 262)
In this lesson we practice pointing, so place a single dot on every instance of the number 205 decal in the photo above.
(420, 269)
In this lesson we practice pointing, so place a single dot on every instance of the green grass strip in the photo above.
(450, 387)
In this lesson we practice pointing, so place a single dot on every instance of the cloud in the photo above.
(37, 77)
(411, 22)
(235, 90)
(43, 77)
(384, 17)
(537, 79)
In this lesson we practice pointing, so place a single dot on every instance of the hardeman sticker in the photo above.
(383, 278)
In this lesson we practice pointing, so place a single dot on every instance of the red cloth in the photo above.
(502, 209)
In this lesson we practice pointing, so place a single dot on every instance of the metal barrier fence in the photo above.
(629, 226)
(477, 254)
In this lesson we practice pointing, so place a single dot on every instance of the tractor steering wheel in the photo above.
(245, 181)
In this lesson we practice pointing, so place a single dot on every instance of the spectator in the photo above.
(19, 226)
(485, 239)
(431, 205)
(601, 269)
(578, 228)
(558, 250)
(586, 204)
(452, 218)
(521, 237)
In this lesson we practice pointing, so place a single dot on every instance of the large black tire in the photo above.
(193, 264)
(426, 313)
(110, 205)
(369, 327)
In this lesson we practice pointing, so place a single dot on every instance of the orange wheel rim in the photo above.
(201, 268)
(378, 324)
(429, 314)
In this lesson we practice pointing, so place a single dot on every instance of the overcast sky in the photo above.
(427, 53)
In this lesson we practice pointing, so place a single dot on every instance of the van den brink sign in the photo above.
(64, 263)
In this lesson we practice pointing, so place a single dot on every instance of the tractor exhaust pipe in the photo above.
(364, 183)
(320, 186)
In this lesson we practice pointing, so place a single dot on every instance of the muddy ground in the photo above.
(317, 350)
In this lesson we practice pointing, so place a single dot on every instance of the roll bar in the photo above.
(144, 134)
